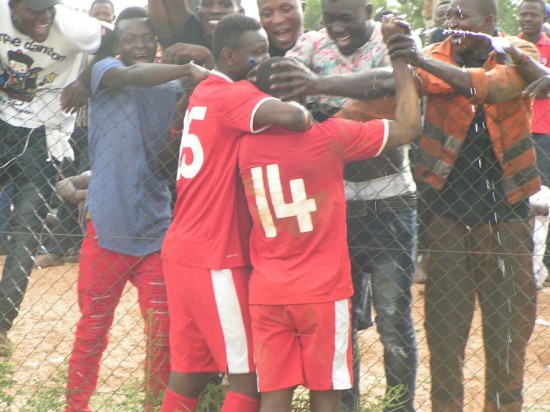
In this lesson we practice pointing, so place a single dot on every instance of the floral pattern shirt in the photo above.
(321, 54)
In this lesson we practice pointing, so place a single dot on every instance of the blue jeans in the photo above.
(382, 246)
(32, 176)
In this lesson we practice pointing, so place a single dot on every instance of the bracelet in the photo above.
(175, 134)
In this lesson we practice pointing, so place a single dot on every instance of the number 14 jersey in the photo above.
(295, 193)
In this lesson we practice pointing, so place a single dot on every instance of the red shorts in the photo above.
(307, 344)
(210, 322)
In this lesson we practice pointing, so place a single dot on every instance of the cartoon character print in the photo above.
(18, 80)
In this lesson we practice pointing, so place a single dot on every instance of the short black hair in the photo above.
(487, 7)
(130, 13)
(109, 2)
(541, 3)
(229, 31)
(264, 72)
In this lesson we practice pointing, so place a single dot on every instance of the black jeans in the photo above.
(23, 161)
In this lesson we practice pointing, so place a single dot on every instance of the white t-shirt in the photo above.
(33, 75)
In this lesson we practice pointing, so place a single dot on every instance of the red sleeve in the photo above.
(357, 140)
(241, 103)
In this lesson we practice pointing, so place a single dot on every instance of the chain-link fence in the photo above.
(394, 242)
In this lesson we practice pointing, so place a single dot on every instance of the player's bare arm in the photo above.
(407, 124)
(288, 115)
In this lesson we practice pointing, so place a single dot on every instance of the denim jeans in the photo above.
(382, 246)
(23, 161)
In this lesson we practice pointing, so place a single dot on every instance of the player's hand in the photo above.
(393, 25)
(294, 76)
(195, 72)
(539, 88)
(403, 46)
(74, 96)
(180, 53)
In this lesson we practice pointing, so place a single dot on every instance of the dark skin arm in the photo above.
(532, 71)
(75, 95)
(182, 52)
(288, 115)
(407, 124)
(150, 74)
(369, 84)
(168, 18)
(404, 46)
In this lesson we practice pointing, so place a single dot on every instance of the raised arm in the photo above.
(150, 74)
(404, 46)
(168, 18)
(407, 124)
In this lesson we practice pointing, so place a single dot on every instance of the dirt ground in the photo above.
(43, 337)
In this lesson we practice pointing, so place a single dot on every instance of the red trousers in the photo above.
(103, 275)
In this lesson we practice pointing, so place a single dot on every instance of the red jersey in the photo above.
(295, 193)
(541, 107)
(210, 226)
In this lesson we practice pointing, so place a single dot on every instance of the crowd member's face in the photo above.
(252, 48)
(531, 18)
(282, 20)
(36, 24)
(441, 14)
(103, 12)
(135, 42)
(210, 13)
(346, 23)
(466, 15)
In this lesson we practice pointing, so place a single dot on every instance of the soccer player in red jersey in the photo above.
(205, 252)
(300, 286)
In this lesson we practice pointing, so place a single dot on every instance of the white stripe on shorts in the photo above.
(341, 376)
(231, 319)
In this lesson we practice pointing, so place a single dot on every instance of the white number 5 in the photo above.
(301, 207)
(191, 152)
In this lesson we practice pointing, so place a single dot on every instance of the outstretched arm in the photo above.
(150, 74)
(291, 116)
(369, 84)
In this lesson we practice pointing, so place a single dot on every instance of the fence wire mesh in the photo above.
(41, 235)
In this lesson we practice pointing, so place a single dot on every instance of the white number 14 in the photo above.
(301, 207)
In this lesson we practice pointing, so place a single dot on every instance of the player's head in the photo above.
(473, 16)
(135, 40)
(33, 17)
(264, 72)
(210, 12)
(283, 20)
(103, 10)
(346, 23)
(441, 13)
(239, 44)
(532, 15)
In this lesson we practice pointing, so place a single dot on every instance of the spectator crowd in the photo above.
(268, 188)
